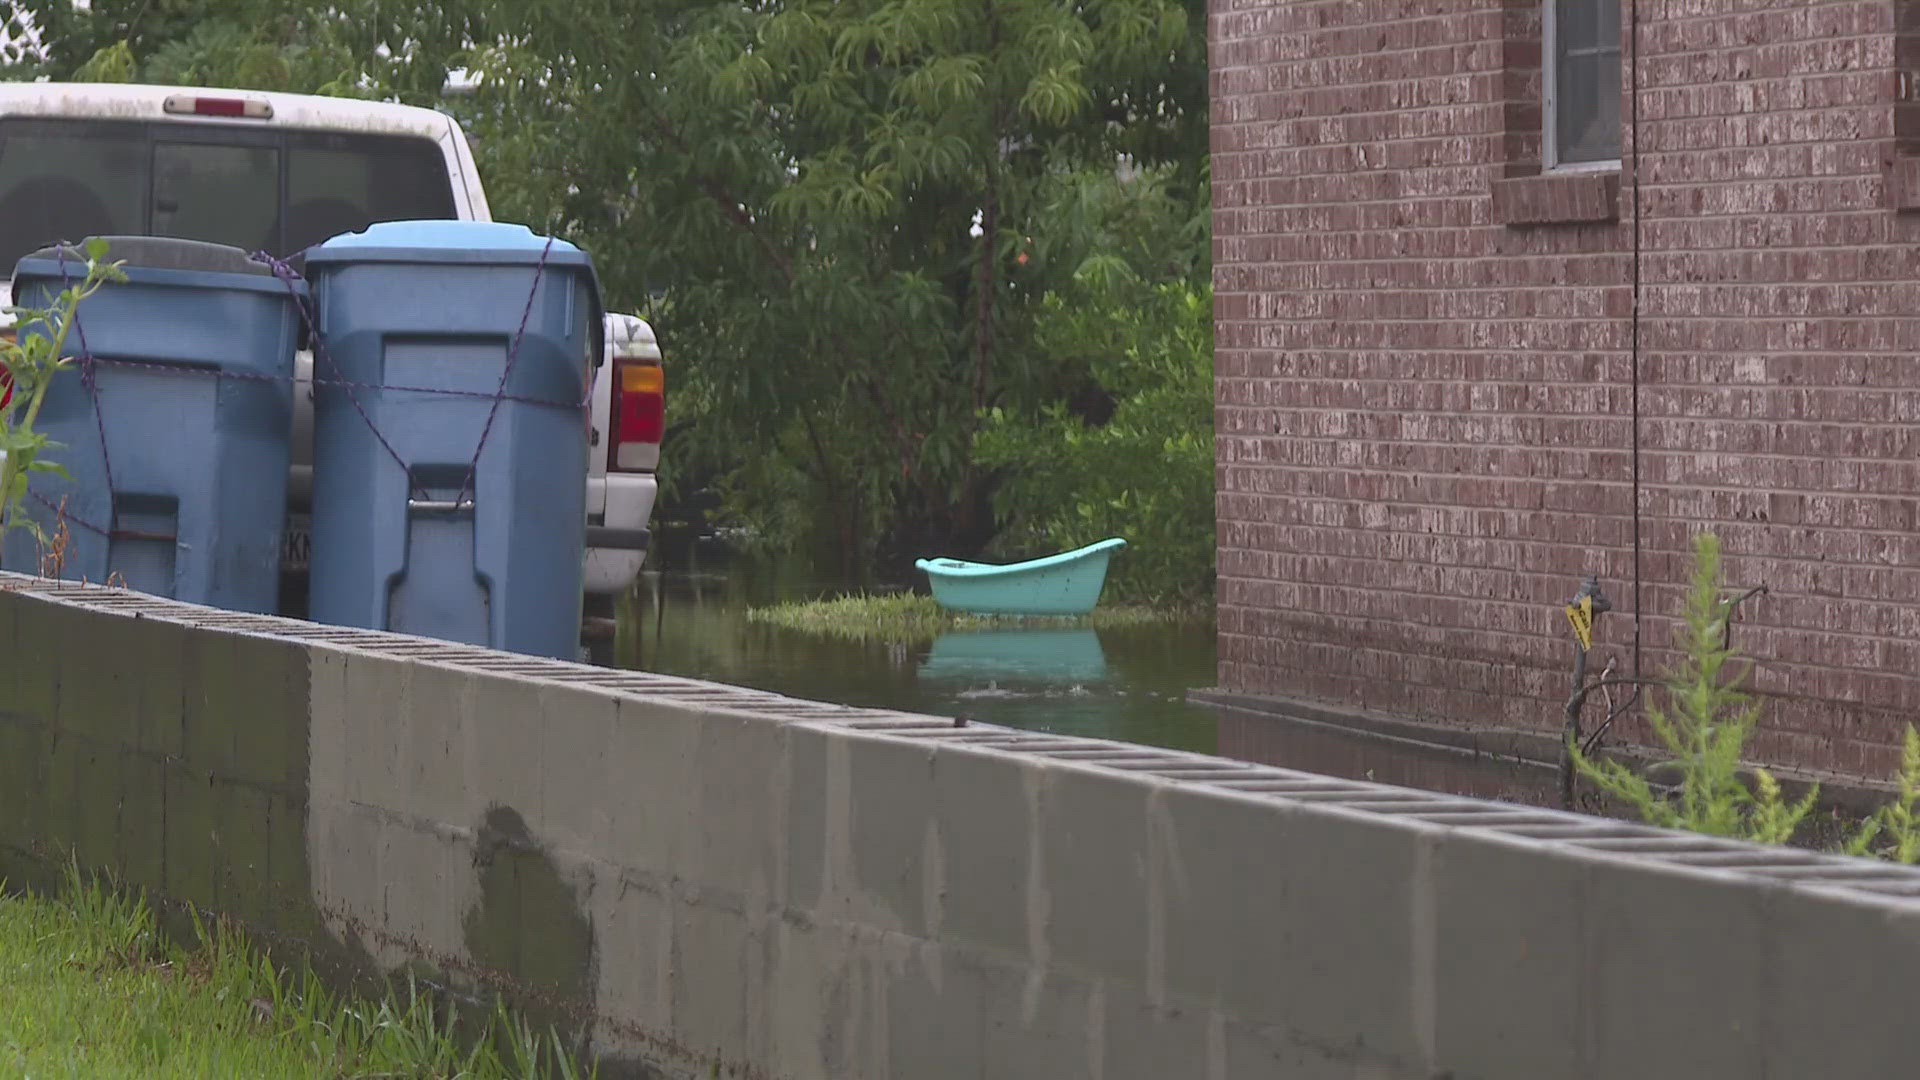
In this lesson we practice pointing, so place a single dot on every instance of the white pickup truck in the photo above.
(280, 173)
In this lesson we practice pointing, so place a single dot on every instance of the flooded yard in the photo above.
(1124, 683)
(1130, 683)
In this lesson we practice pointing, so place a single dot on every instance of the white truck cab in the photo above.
(280, 173)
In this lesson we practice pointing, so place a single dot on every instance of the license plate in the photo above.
(296, 549)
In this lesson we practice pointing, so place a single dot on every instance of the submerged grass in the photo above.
(89, 987)
(911, 617)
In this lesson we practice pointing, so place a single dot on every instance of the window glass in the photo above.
(343, 183)
(68, 179)
(61, 181)
(220, 194)
(1585, 54)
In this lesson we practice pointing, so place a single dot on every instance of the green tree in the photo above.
(346, 48)
(836, 212)
(1129, 451)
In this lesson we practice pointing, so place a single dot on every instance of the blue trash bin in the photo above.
(177, 455)
(447, 503)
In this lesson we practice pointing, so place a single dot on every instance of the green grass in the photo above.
(913, 617)
(90, 988)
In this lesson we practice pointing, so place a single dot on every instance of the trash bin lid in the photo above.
(443, 242)
(158, 260)
(166, 253)
(440, 234)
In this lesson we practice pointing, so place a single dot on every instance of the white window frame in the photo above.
(1550, 102)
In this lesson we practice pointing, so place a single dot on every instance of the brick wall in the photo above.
(1425, 377)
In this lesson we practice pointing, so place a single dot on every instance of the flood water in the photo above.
(1128, 684)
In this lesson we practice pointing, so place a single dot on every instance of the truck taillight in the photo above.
(639, 415)
(190, 105)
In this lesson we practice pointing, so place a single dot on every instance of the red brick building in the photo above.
(1438, 410)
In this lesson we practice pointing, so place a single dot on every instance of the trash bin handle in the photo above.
(440, 506)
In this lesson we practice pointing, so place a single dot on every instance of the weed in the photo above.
(1893, 831)
(911, 617)
(1704, 724)
(34, 357)
(94, 989)
(53, 552)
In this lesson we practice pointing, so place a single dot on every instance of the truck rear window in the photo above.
(275, 190)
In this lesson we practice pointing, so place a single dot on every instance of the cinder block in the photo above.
(633, 947)
(140, 822)
(162, 664)
(1098, 854)
(735, 811)
(1267, 1053)
(25, 759)
(243, 845)
(428, 741)
(378, 700)
(100, 672)
(1510, 929)
(709, 986)
(213, 709)
(881, 835)
(192, 817)
(288, 863)
(427, 884)
(505, 744)
(577, 802)
(331, 757)
(35, 657)
(1837, 992)
(344, 860)
(935, 1017)
(1053, 1022)
(14, 676)
(1146, 1039)
(805, 1022)
(84, 786)
(1674, 966)
(988, 810)
(800, 863)
(270, 713)
(1296, 915)
(652, 787)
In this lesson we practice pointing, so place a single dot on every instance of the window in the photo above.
(221, 194)
(340, 183)
(281, 191)
(1581, 81)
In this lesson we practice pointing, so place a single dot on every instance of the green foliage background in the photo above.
(931, 274)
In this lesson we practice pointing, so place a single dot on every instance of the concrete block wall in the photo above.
(1426, 380)
(705, 879)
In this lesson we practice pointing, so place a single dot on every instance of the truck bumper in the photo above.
(617, 541)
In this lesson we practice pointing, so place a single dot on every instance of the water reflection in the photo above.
(1013, 656)
(1129, 684)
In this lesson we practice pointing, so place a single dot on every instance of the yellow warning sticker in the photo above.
(1581, 616)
